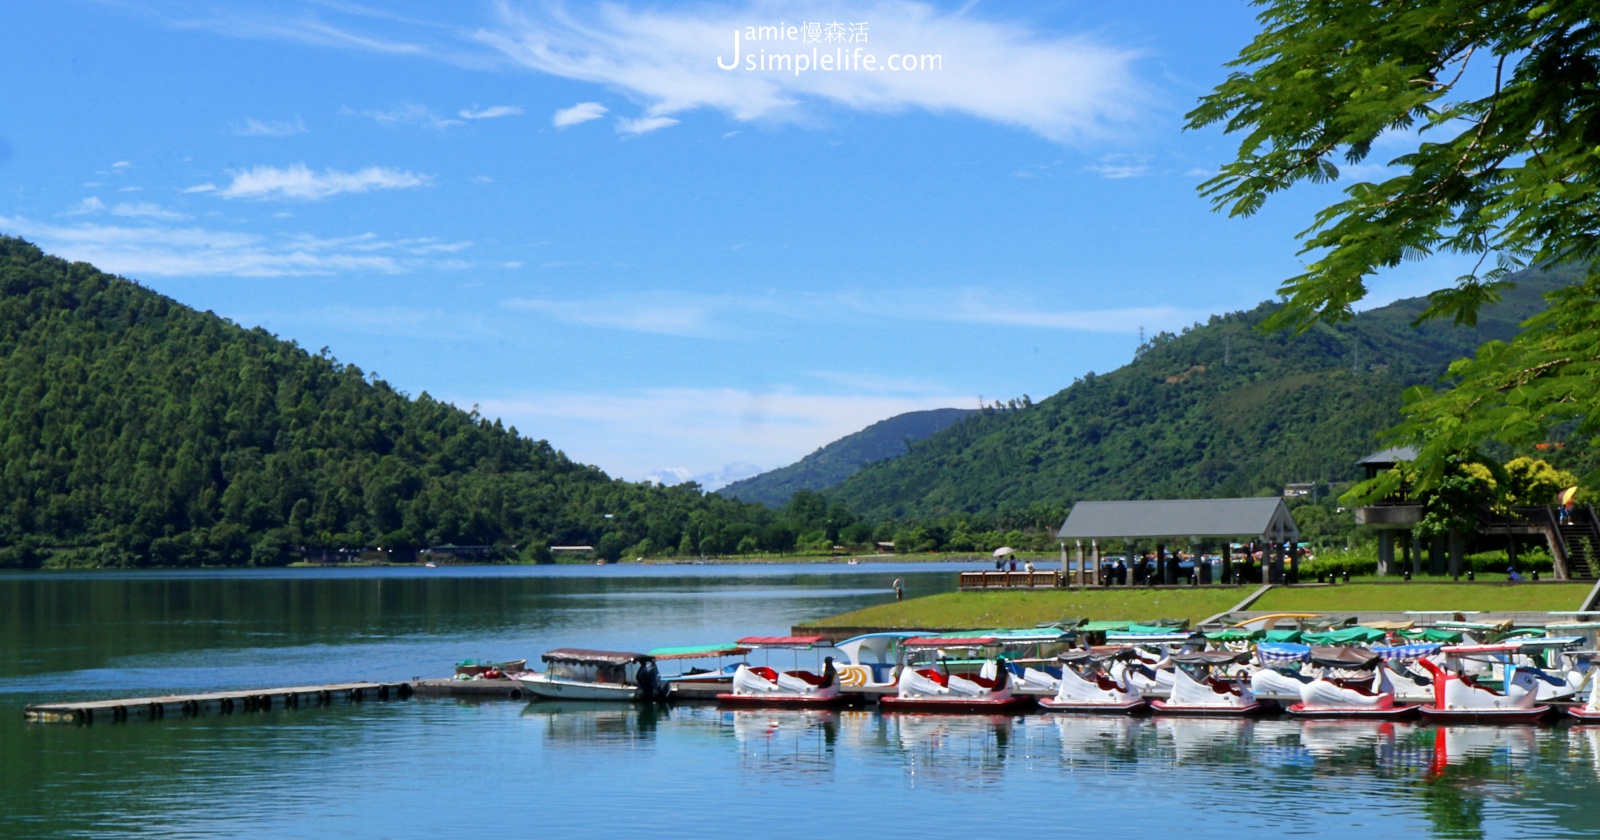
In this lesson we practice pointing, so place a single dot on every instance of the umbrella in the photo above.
(1001, 552)
(1567, 494)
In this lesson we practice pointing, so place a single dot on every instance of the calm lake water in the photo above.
(437, 768)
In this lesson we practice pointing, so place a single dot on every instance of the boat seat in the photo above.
(1472, 682)
(1220, 687)
(765, 673)
(982, 682)
(1106, 683)
(934, 675)
(807, 676)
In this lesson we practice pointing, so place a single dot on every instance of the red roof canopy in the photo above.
(945, 641)
(783, 641)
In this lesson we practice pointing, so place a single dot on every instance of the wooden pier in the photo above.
(219, 702)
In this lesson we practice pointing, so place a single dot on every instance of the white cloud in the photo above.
(121, 164)
(490, 112)
(644, 125)
(155, 250)
(579, 113)
(253, 127)
(698, 429)
(711, 316)
(1061, 87)
(299, 182)
(145, 210)
(201, 188)
(1117, 167)
(406, 115)
(713, 480)
(92, 204)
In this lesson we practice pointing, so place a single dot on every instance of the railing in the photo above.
(1009, 580)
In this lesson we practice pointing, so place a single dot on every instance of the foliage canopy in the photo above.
(1502, 101)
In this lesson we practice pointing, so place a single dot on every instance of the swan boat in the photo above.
(581, 674)
(1086, 685)
(762, 685)
(929, 687)
(1280, 673)
(1197, 689)
(1458, 695)
(1589, 711)
(1354, 683)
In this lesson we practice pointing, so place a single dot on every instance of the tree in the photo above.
(1504, 100)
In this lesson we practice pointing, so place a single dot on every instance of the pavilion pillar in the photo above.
(1294, 563)
(1227, 561)
(1161, 564)
(1385, 553)
(1276, 575)
(1094, 557)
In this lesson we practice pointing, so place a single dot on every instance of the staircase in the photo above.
(1581, 538)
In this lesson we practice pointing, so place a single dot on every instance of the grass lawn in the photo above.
(1532, 597)
(1025, 608)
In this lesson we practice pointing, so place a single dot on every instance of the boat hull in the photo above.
(1163, 707)
(1051, 704)
(776, 700)
(946, 705)
(546, 688)
(1528, 715)
(1582, 713)
(1362, 712)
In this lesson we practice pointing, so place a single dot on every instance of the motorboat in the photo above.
(1087, 686)
(1279, 674)
(927, 686)
(1198, 688)
(1459, 693)
(1354, 683)
(704, 673)
(581, 674)
(762, 685)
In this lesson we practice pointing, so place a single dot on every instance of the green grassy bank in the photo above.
(1025, 608)
(1398, 597)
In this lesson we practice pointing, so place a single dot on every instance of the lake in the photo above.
(434, 767)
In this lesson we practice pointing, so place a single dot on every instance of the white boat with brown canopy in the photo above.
(582, 674)
(1354, 682)
(1088, 686)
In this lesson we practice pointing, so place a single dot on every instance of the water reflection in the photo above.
(589, 725)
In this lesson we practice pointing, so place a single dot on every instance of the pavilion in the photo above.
(1264, 520)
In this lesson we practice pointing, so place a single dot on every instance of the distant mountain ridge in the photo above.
(1220, 410)
(832, 464)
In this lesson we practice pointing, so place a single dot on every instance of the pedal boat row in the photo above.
(913, 673)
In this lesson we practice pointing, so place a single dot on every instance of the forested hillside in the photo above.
(839, 460)
(1221, 410)
(135, 430)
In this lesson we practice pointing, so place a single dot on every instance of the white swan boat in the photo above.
(1458, 695)
(1198, 690)
(1589, 710)
(1279, 674)
(1354, 683)
(1087, 686)
(928, 687)
(762, 685)
(581, 674)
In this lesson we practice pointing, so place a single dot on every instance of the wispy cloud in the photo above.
(92, 204)
(201, 188)
(252, 127)
(697, 428)
(491, 112)
(713, 316)
(1063, 88)
(145, 210)
(411, 114)
(644, 125)
(154, 250)
(299, 182)
(1119, 166)
(579, 113)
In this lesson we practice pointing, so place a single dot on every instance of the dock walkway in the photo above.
(221, 702)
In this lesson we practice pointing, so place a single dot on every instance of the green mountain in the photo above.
(839, 460)
(137, 431)
(1221, 410)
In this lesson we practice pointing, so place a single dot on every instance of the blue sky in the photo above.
(570, 216)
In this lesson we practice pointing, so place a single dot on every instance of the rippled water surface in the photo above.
(441, 768)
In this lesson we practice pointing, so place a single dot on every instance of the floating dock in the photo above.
(218, 702)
